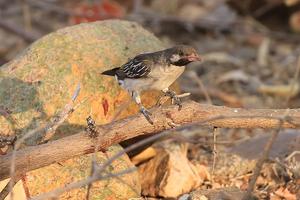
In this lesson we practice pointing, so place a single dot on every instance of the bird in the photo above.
(154, 70)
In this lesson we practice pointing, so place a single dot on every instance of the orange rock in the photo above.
(37, 85)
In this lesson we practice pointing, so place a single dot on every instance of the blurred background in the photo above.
(250, 48)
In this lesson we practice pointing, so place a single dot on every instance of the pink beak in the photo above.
(194, 57)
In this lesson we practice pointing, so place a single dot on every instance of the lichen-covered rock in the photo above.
(58, 175)
(38, 83)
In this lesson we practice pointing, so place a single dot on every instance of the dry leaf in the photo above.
(285, 193)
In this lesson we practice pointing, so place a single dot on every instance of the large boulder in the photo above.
(37, 84)
(76, 169)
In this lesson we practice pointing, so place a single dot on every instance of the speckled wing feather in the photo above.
(136, 68)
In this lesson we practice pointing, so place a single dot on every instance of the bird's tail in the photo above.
(111, 72)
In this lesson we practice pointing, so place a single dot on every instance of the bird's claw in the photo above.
(146, 114)
(177, 101)
(174, 99)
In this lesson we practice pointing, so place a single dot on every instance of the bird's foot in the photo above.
(177, 101)
(161, 100)
(174, 98)
(146, 114)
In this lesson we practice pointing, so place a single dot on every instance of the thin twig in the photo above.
(292, 155)
(107, 172)
(196, 78)
(102, 168)
(52, 126)
(25, 186)
(64, 114)
(263, 52)
(262, 160)
(5, 191)
(215, 131)
(71, 186)
(92, 173)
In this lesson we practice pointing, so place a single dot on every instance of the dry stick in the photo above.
(215, 131)
(67, 110)
(5, 191)
(102, 168)
(214, 92)
(91, 128)
(89, 186)
(79, 184)
(25, 186)
(194, 76)
(263, 52)
(108, 163)
(92, 132)
(292, 155)
(143, 142)
(52, 126)
(137, 193)
(118, 178)
(261, 161)
(198, 80)
(34, 157)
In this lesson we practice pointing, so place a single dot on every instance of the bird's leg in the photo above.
(174, 98)
(136, 97)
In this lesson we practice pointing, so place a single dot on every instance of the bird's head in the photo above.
(182, 55)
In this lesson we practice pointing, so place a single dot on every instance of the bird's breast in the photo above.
(164, 76)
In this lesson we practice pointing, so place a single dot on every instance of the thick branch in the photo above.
(35, 157)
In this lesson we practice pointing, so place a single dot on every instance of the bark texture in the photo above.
(164, 118)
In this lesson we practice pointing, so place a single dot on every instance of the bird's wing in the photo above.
(136, 68)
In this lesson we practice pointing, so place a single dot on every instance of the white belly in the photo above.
(158, 79)
(165, 77)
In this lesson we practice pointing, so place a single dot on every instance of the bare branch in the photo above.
(35, 157)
